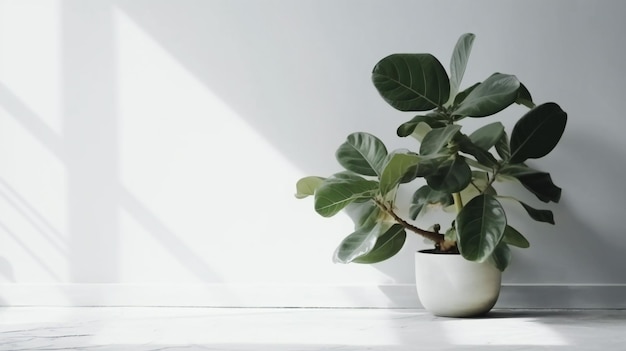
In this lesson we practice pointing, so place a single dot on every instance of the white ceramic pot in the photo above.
(450, 286)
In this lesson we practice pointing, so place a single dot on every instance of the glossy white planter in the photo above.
(450, 286)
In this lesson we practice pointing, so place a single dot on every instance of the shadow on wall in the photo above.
(87, 147)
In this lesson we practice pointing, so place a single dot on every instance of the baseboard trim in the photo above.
(583, 296)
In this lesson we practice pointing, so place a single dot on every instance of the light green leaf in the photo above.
(363, 214)
(492, 96)
(515, 238)
(412, 82)
(437, 139)
(307, 185)
(487, 136)
(362, 153)
(359, 243)
(537, 132)
(501, 256)
(336, 193)
(451, 177)
(425, 196)
(458, 62)
(387, 245)
(480, 227)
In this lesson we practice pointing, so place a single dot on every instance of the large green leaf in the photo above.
(537, 132)
(412, 82)
(425, 196)
(492, 96)
(487, 136)
(501, 256)
(362, 153)
(515, 238)
(437, 139)
(460, 97)
(480, 226)
(407, 128)
(336, 193)
(451, 177)
(538, 183)
(387, 245)
(458, 62)
(306, 186)
(359, 243)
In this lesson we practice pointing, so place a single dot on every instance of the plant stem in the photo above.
(434, 236)
(458, 202)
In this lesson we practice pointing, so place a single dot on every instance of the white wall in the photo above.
(149, 149)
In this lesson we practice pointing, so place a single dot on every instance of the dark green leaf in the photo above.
(387, 245)
(425, 196)
(538, 183)
(451, 177)
(359, 243)
(501, 256)
(336, 193)
(492, 96)
(515, 238)
(412, 82)
(483, 156)
(487, 136)
(458, 62)
(537, 132)
(362, 153)
(437, 139)
(502, 147)
(545, 216)
(480, 226)
(408, 128)
(307, 185)
(523, 97)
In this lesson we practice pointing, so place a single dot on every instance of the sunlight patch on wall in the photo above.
(215, 183)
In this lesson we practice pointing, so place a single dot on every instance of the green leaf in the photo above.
(437, 139)
(515, 238)
(523, 97)
(487, 136)
(359, 243)
(545, 216)
(537, 132)
(451, 177)
(480, 226)
(458, 62)
(492, 96)
(412, 82)
(363, 213)
(307, 185)
(425, 196)
(501, 256)
(460, 97)
(336, 193)
(502, 147)
(362, 153)
(387, 245)
(404, 167)
(407, 128)
(483, 156)
(538, 183)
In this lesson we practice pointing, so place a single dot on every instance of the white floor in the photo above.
(136, 328)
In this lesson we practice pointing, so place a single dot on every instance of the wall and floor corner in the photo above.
(149, 149)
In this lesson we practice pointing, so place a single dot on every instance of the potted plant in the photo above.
(460, 276)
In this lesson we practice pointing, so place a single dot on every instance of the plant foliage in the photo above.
(458, 169)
